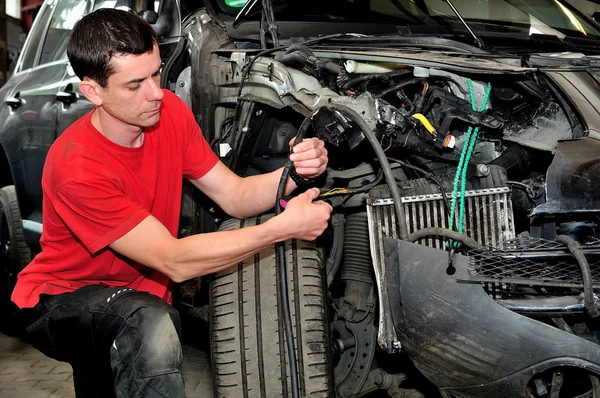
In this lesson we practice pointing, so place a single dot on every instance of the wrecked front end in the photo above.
(516, 315)
(464, 188)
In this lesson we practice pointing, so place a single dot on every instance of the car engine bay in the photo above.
(466, 155)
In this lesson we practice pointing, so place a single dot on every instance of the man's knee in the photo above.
(149, 340)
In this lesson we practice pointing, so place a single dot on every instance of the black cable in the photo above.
(586, 274)
(282, 265)
(222, 136)
(375, 76)
(385, 165)
(446, 233)
(399, 86)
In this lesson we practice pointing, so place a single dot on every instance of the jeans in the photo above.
(120, 342)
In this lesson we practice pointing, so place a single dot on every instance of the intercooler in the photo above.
(488, 217)
(488, 220)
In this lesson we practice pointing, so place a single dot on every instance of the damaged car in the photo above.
(463, 255)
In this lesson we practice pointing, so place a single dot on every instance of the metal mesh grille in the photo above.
(534, 262)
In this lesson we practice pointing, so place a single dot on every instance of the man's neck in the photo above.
(116, 131)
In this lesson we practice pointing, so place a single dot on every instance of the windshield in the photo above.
(549, 17)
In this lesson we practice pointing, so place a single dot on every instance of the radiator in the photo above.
(488, 220)
(488, 216)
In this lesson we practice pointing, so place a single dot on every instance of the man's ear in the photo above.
(92, 90)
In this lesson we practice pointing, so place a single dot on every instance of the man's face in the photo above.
(133, 95)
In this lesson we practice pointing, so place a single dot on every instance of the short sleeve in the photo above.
(198, 157)
(97, 213)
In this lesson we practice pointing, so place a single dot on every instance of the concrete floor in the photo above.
(27, 373)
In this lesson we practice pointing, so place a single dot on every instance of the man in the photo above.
(98, 294)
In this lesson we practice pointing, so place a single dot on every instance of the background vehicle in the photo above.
(420, 106)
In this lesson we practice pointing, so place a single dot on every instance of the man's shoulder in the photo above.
(72, 155)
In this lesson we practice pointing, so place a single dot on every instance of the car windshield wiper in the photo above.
(268, 18)
(244, 13)
(478, 41)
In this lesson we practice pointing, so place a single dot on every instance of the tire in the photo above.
(14, 252)
(247, 331)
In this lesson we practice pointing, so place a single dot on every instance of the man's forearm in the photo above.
(258, 193)
(206, 253)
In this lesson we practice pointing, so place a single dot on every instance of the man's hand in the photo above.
(309, 157)
(303, 218)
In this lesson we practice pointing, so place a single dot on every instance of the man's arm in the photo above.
(151, 244)
(245, 197)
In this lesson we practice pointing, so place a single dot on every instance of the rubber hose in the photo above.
(357, 251)
(446, 233)
(375, 76)
(385, 165)
(399, 86)
(281, 262)
(586, 274)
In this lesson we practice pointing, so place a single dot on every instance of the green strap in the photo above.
(465, 158)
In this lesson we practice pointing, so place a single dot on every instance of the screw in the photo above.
(181, 84)
(245, 130)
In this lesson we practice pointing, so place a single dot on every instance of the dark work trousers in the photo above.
(120, 342)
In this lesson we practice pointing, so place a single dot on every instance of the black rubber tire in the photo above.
(247, 332)
(14, 252)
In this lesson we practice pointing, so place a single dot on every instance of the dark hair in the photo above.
(101, 35)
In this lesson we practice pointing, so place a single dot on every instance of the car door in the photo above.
(34, 101)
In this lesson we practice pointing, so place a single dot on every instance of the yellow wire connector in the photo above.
(448, 142)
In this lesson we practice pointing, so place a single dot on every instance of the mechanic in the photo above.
(99, 293)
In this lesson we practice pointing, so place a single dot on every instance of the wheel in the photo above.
(247, 331)
(14, 252)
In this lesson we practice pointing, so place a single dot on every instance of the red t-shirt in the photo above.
(95, 191)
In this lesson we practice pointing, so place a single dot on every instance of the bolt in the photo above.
(259, 112)
(181, 84)
(245, 130)
(483, 170)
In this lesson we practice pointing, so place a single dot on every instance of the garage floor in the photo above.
(26, 373)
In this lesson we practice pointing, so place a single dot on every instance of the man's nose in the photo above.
(155, 92)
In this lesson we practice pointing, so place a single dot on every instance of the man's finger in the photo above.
(307, 144)
(312, 193)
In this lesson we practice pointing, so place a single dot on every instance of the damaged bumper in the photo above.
(462, 340)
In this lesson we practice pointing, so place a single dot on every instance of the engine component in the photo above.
(356, 269)
(515, 160)
(490, 223)
(356, 308)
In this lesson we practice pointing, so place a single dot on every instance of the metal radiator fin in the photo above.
(488, 216)
(488, 220)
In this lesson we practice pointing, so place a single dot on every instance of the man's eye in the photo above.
(133, 88)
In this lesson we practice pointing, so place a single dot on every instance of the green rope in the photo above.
(465, 158)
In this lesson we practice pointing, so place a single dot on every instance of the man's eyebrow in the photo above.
(135, 81)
